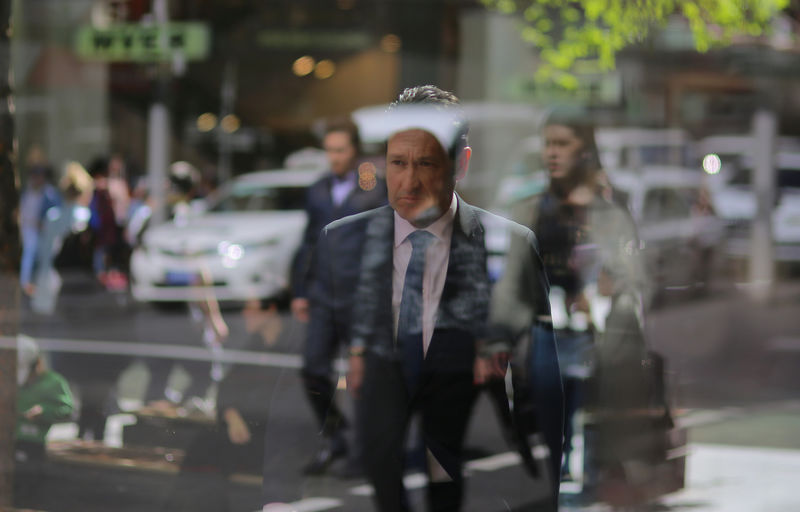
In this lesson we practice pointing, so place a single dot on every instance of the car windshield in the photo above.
(248, 197)
(786, 178)
(662, 155)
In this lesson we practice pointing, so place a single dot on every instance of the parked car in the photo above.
(735, 201)
(678, 230)
(240, 248)
(677, 225)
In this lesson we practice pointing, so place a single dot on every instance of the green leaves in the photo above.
(567, 32)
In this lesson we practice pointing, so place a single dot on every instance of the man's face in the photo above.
(562, 151)
(419, 176)
(37, 180)
(340, 152)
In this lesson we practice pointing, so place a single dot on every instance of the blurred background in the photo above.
(203, 121)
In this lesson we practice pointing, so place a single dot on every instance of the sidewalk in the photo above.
(724, 478)
(740, 460)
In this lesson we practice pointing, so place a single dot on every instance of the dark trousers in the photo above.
(572, 402)
(321, 394)
(320, 386)
(444, 399)
(97, 399)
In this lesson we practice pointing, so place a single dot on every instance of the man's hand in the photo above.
(238, 432)
(488, 368)
(481, 371)
(355, 374)
(300, 309)
(499, 364)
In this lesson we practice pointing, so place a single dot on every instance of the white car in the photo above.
(737, 204)
(678, 233)
(678, 229)
(240, 248)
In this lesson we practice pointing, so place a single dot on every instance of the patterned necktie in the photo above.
(409, 323)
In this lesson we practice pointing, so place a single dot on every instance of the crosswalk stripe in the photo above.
(491, 463)
(494, 462)
(410, 481)
(132, 348)
(505, 459)
(305, 505)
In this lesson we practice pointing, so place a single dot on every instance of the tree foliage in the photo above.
(570, 31)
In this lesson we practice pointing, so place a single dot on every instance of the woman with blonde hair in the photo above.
(72, 216)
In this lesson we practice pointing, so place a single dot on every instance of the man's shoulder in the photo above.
(322, 182)
(500, 220)
(525, 210)
(492, 223)
(53, 378)
(357, 220)
(369, 192)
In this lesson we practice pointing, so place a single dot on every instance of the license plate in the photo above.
(181, 278)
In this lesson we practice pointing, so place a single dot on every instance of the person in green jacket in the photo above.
(43, 398)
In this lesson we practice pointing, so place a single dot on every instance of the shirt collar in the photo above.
(439, 228)
(348, 177)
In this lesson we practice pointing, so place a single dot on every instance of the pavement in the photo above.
(740, 459)
(732, 367)
(731, 363)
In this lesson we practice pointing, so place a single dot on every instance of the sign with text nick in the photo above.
(131, 42)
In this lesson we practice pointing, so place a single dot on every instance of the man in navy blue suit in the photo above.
(345, 190)
(407, 285)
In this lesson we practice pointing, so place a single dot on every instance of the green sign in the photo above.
(317, 39)
(130, 42)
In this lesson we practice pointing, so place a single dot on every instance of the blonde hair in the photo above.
(76, 182)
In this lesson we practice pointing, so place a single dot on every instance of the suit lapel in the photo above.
(465, 297)
(374, 294)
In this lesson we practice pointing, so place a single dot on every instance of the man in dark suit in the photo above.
(344, 191)
(408, 285)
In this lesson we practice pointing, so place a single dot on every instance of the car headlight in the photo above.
(232, 253)
(230, 250)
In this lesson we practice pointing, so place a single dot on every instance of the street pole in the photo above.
(157, 161)
(158, 133)
(762, 266)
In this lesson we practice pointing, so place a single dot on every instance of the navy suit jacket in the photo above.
(321, 211)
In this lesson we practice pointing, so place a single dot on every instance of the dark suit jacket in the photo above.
(321, 211)
(354, 257)
(352, 292)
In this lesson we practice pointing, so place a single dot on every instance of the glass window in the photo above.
(183, 338)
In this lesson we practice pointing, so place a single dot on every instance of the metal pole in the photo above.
(158, 132)
(762, 266)
(158, 159)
